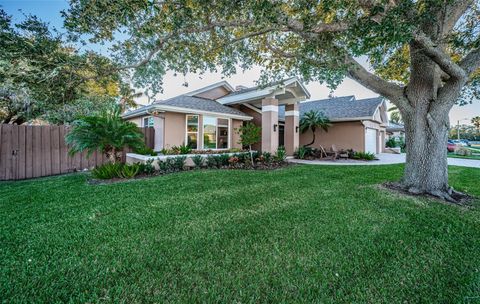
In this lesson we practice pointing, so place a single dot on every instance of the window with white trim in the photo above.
(192, 131)
(215, 133)
(148, 121)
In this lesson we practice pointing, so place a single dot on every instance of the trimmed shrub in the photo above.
(198, 161)
(147, 167)
(211, 161)
(179, 163)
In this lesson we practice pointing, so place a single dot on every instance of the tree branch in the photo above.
(357, 72)
(191, 30)
(442, 59)
(471, 62)
(369, 80)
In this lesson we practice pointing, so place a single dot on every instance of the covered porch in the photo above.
(263, 104)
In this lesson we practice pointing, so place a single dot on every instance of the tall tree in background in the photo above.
(424, 53)
(41, 77)
(476, 123)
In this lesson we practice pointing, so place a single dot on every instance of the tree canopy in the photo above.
(43, 77)
(318, 40)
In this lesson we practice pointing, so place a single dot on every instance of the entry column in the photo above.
(269, 125)
(292, 120)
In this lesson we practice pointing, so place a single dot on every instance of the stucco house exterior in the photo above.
(208, 118)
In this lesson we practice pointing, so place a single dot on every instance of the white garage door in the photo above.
(371, 140)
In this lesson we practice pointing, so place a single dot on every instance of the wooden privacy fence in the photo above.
(34, 151)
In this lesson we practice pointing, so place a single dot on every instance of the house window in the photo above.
(215, 133)
(222, 134)
(192, 131)
(148, 121)
(209, 132)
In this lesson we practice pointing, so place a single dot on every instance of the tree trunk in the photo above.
(426, 129)
(426, 168)
(313, 139)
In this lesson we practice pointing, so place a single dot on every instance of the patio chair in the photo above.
(322, 152)
(333, 152)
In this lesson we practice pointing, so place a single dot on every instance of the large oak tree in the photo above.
(425, 53)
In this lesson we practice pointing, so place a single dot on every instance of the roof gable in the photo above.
(213, 91)
(277, 88)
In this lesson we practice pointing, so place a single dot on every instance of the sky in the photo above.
(49, 11)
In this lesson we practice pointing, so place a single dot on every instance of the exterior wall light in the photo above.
(275, 128)
(296, 129)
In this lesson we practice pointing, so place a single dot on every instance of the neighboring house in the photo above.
(395, 130)
(207, 118)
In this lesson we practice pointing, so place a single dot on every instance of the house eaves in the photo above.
(223, 83)
(164, 108)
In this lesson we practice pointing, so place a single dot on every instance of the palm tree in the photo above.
(127, 99)
(476, 123)
(313, 120)
(107, 132)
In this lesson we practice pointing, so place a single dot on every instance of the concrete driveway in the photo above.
(384, 159)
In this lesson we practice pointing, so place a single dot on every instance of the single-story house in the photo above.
(208, 118)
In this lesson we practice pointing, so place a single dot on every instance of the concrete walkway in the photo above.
(384, 159)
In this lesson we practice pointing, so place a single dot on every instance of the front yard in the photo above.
(300, 234)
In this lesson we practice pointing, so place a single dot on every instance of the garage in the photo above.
(371, 140)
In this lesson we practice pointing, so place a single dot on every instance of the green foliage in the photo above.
(145, 151)
(42, 77)
(281, 154)
(250, 134)
(166, 165)
(147, 167)
(107, 132)
(117, 170)
(302, 152)
(212, 161)
(176, 150)
(223, 159)
(198, 161)
(267, 157)
(313, 120)
(391, 143)
(185, 149)
(129, 171)
(363, 155)
(107, 171)
(179, 163)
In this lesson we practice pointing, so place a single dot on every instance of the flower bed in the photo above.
(139, 166)
(309, 153)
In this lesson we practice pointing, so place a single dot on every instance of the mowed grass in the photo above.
(303, 234)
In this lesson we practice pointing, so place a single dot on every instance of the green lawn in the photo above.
(302, 234)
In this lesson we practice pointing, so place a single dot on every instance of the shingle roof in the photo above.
(271, 84)
(392, 127)
(340, 108)
(200, 104)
